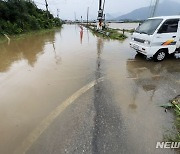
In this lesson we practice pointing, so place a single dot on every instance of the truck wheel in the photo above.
(160, 55)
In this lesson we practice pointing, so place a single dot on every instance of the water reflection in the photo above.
(100, 45)
(87, 34)
(139, 65)
(56, 57)
(151, 76)
(27, 48)
(133, 105)
(81, 34)
(98, 100)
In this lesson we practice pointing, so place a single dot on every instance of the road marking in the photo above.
(36, 133)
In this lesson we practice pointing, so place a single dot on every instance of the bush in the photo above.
(18, 16)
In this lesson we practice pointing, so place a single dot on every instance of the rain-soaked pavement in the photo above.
(68, 91)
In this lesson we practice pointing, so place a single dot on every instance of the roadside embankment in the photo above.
(107, 33)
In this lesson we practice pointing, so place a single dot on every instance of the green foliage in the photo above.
(107, 33)
(19, 16)
(175, 136)
(114, 34)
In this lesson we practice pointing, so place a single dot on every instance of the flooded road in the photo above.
(67, 91)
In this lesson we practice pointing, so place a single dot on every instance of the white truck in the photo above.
(157, 37)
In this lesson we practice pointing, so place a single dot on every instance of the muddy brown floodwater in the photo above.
(119, 115)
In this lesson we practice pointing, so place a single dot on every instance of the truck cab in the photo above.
(157, 37)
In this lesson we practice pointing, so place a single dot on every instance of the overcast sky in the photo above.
(68, 8)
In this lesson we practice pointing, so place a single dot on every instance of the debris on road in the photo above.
(174, 104)
(107, 33)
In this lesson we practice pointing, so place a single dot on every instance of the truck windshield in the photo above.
(149, 26)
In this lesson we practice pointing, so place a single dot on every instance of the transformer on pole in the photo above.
(100, 17)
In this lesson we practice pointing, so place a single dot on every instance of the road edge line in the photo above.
(45, 123)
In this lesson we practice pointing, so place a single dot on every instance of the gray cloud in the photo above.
(68, 8)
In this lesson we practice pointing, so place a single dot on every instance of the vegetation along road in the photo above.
(19, 16)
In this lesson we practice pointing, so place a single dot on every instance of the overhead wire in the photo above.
(150, 8)
(155, 7)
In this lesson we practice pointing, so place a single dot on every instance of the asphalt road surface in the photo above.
(70, 92)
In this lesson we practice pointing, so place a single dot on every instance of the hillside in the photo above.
(112, 16)
(19, 16)
(164, 8)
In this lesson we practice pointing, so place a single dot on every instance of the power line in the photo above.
(47, 7)
(155, 8)
(150, 8)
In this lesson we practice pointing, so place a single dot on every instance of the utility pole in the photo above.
(87, 15)
(75, 16)
(47, 9)
(100, 14)
(81, 20)
(100, 4)
(57, 13)
(104, 5)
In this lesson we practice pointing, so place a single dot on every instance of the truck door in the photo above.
(167, 35)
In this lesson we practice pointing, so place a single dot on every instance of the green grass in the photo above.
(177, 124)
(113, 34)
(116, 35)
(175, 135)
(126, 30)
